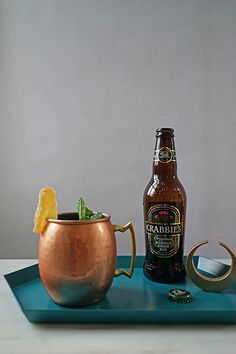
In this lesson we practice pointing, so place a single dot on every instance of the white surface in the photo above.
(17, 335)
(85, 83)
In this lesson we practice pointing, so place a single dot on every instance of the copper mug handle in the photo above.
(129, 227)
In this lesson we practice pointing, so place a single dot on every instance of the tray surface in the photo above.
(136, 300)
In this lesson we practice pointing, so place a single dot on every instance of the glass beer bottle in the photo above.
(164, 214)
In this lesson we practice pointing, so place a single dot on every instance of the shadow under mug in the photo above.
(77, 258)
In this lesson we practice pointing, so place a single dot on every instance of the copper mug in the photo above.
(77, 258)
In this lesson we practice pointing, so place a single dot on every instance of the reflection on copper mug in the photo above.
(77, 258)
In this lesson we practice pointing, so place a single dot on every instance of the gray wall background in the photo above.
(84, 85)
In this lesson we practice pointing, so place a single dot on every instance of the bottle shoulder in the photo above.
(171, 189)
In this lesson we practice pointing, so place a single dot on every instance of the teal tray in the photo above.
(128, 301)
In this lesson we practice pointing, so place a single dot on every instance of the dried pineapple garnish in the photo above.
(47, 208)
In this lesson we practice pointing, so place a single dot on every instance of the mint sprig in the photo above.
(85, 213)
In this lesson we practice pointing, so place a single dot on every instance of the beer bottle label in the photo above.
(164, 155)
(163, 229)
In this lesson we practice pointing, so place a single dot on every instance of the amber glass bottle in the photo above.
(164, 203)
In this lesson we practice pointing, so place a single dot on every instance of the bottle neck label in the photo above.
(163, 230)
(164, 155)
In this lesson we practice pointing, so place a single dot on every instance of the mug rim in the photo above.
(106, 217)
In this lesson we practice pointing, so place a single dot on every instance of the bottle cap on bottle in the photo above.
(179, 295)
(164, 131)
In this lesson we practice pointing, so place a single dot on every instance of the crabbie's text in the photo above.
(163, 229)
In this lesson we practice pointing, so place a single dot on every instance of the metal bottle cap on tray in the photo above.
(179, 295)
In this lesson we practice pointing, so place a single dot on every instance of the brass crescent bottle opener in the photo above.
(216, 284)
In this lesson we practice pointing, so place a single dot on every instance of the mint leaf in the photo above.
(96, 216)
(88, 212)
(81, 208)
